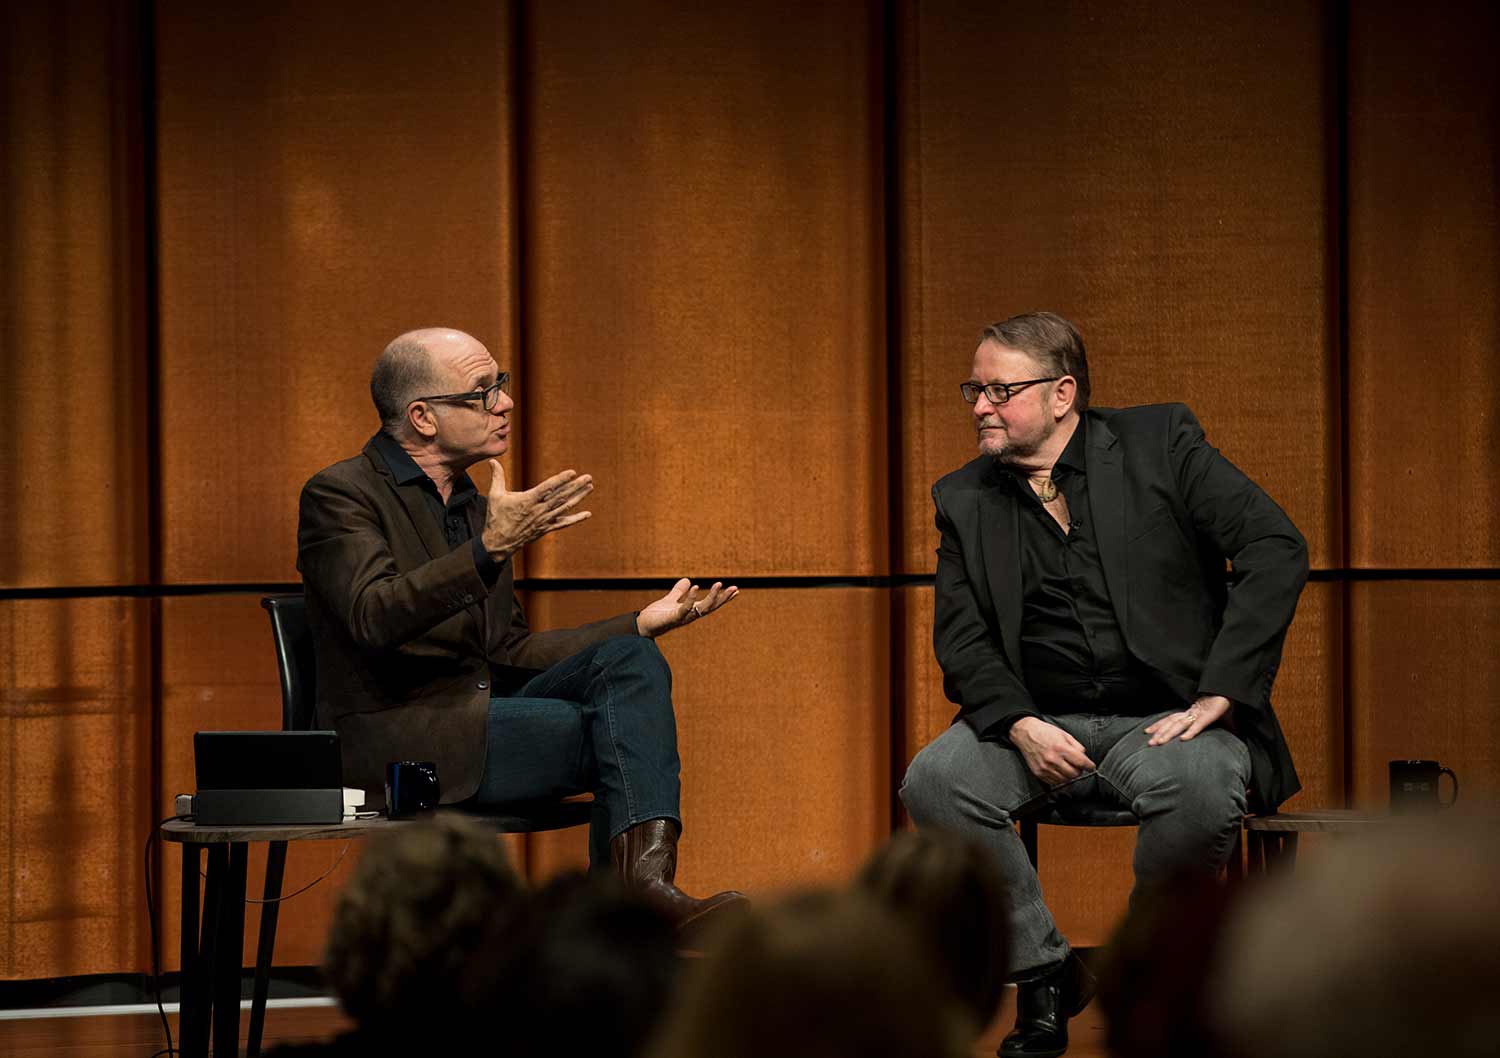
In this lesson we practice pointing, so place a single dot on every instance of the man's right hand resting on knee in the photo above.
(1052, 755)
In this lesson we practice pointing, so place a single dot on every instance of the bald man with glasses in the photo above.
(1092, 643)
(424, 653)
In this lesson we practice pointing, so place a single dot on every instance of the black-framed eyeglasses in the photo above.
(489, 396)
(998, 392)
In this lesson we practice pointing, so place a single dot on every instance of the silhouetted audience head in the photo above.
(951, 893)
(1153, 980)
(412, 924)
(1383, 947)
(585, 967)
(821, 975)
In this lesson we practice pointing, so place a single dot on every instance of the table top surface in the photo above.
(185, 830)
(1330, 819)
(549, 815)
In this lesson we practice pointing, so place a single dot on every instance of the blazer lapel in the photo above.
(1107, 506)
(998, 529)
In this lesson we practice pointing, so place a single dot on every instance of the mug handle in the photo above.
(1449, 772)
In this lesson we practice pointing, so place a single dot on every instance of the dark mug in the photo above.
(1414, 786)
(411, 786)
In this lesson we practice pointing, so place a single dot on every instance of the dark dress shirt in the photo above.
(1072, 651)
(453, 516)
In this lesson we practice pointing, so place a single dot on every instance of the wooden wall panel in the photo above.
(1157, 172)
(330, 176)
(75, 737)
(219, 674)
(1309, 697)
(1086, 873)
(1424, 267)
(704, 277)
(71, 314)
(1424, 684)
(783, 717)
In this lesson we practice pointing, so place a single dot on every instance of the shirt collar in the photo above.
(405, 470)
(1072, 459)
(1073, 454)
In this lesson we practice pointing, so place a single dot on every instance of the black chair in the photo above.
(1098, 814)
(1072, 814)
(296, 662)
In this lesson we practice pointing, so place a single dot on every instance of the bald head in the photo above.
(412, 366)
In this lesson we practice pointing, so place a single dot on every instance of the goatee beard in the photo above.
(1013, 455)
(1017, 455)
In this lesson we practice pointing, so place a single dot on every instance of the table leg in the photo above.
(275, 869)
(1257, 851)
(229, 954)
(1234, 868)
(201, 986)
(1281, 851)
(1028, 838)
(190, 994)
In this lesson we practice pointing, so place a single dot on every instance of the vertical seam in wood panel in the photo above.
(517, 71)
(519, 75)
(1339, 49)
(155, 529)
(895, 467)
(132, 458)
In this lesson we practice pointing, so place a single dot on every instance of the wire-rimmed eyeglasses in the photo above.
(998, 392)
(489, 395)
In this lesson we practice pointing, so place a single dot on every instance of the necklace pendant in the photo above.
(1047, 492)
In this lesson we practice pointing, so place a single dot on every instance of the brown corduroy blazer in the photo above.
(408, 638)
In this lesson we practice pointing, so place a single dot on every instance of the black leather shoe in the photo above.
(1043, 1007)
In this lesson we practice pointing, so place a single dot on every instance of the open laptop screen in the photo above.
(267, 760)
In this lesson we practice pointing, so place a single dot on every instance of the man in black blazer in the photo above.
(423, 652)
(1092, 641)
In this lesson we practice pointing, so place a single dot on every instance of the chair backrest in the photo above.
(295, 659)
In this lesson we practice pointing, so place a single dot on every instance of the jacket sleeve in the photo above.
(343, 555)
(541, 650)
(976, 675)
(1267, 555)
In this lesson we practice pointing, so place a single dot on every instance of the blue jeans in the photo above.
(600, 721)
(1188, 796)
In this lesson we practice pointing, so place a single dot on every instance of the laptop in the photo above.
(265, 777)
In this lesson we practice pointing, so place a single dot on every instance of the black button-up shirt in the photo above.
(453, 516)
(1073, 653)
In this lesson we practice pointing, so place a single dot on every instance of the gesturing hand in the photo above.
(682, 606)
(1053, 755)
(1186, 724)
(515, 519)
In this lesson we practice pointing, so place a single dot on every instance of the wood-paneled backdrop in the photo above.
(737, 256)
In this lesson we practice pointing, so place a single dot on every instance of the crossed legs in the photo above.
(601, 721)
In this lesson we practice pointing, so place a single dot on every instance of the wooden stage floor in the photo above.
(140, 1035)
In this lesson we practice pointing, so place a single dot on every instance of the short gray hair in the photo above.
(403, 372)
(1053, 341)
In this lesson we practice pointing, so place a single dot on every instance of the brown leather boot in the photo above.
(645, 856)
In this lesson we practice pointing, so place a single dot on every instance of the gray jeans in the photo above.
(1188, 796)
